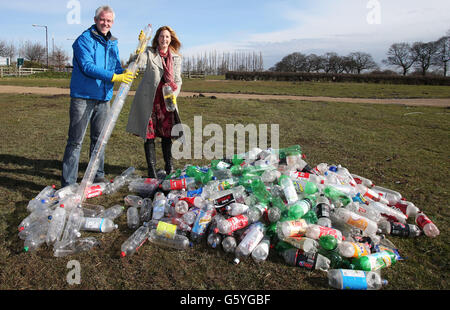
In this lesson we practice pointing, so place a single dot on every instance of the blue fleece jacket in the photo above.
(95, 60)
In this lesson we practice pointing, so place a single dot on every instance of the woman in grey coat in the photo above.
(148, 116)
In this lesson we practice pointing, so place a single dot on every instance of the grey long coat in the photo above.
(142, 106)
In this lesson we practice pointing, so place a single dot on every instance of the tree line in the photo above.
(218, 63)
(35, 53)
(404, 56)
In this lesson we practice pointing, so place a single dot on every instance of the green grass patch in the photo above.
(388, 144)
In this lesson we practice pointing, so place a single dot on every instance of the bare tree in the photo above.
(400, 55)
(315, 63)
(360, 61)
(295, 62)
(7, 49)
(33, 51)
(59, 58)
(442, 55)
(423, 53)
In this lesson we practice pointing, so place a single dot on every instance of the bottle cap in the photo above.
(25, 249)
(236, 261)
(122, 254)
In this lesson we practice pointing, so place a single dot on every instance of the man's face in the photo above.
(104, 22)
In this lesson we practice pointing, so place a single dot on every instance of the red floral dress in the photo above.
(161, 122)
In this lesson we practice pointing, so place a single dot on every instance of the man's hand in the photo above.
(125, 77)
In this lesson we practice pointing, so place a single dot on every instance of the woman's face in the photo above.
(164, 40)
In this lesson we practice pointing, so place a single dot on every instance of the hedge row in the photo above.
(331, 77)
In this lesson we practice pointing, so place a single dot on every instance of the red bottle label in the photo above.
(224, 200)
(422, 220)
(304, 259)
(238, 222)
(178, 184)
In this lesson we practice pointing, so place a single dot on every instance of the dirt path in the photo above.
(410, 102)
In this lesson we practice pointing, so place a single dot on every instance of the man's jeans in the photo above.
(83, 111)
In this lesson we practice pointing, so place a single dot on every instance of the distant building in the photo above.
(4, 61)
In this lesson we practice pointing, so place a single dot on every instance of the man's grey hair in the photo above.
(104, 8)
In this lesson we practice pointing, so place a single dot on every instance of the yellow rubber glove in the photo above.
(141, 38)
(125, 77)
(173, 98)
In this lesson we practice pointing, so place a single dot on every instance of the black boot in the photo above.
(150, 156)
(166, 144)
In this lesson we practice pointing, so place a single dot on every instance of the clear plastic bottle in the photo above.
(291, 228)
(235, 208)
(144, 186)
(345, 216)
(76, 246)
(66, 191)
(288, 188)
(196, 201)
(315, 231)
(407, 208)
(113, 212)
(36, 227)
(96, 189)
(353, 249)
(387, 211)
(229, 244)
(33, 217)
(35, 240)
(308, 260)
(362, 210)
(261, 251)
(227, 226)
(213, 240)
(426, 225)
(347, 279)
(254, 235)
(98, 224)
(371, 194)
(133, 200)
(47, 192)
(135, 241)
(303, 243)
(187, 183)
(72, 228)
(92, 210)
(133, 219)
(181, 207)
(145, 213)
(159, 206)
(362, 180)
(56, 227)
(178, 242)
(390, 195)
(168, 93)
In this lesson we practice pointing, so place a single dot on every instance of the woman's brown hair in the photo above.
(175, 43)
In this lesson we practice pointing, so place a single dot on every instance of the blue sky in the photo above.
(274, 28)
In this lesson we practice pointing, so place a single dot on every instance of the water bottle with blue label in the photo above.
(347, 279)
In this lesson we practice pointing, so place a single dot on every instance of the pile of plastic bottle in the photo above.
(318, 218)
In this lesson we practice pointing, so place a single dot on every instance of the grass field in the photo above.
(220, 85)
(398, 147)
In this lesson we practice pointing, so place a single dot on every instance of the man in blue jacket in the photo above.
(96, 66)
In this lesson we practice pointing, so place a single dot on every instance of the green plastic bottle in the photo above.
(259, 190)
(328, 242)
(199, 176)
(375, 261)
(336, 195)
(299, 208)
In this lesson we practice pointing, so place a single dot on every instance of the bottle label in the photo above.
(93, 223)
(379, 260)
(328, 231)
(94, 191)
(305, 259)
(358, 222)
(178, 184)
(353, 279)
(323, 210)
(399, 229)
(422, 220)
(167, 230)
(300, 175)
(359, 250)
(298, 186)
(238, 222)
(204, 218)
(297, 227)
(224, 200)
